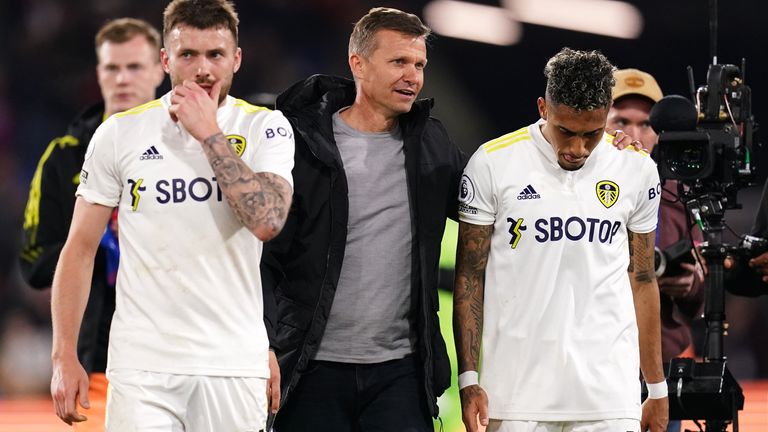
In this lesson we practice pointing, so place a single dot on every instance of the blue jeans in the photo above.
(674, 426)
(346, 397)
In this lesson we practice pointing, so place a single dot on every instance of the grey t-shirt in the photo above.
(369, 320)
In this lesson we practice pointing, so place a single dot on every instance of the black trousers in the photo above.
(346, 397)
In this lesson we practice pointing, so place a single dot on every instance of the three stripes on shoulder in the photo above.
(507, 140)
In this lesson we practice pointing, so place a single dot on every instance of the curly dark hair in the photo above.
(582, 80)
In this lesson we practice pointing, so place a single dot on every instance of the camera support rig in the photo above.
(706, 147)
(708, 390)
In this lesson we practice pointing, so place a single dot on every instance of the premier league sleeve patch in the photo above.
(467, 190)
(607, 192)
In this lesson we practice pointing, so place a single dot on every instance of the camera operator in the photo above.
(681, 284)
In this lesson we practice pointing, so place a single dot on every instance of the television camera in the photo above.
(706, 146)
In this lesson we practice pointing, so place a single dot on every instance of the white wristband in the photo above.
(657, 391)
(467, 379)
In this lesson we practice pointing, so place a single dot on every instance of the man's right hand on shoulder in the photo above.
(69, 385)
(474, 407)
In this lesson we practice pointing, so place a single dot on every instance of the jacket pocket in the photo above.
(293, 320)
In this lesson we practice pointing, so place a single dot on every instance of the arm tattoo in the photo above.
(260, 200)
(630, 242)
(641, 261)
(471, 260)
(645, 295)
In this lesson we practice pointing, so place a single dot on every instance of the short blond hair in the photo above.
(362, 40)
(122, 30)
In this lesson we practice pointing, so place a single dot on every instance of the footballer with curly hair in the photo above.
(555, 279)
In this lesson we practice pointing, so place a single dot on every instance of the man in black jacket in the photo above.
(354, 271)
(129, 72)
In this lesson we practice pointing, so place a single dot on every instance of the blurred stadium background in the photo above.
(483, 88)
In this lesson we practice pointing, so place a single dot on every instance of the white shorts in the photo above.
(153, 402)
(614, 425)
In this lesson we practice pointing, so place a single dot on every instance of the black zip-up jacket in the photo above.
(301, 266)
(47, 218)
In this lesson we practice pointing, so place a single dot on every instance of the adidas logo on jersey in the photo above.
(528, 193)
(151, 154)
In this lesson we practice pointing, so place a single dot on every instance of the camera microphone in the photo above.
(673, 113)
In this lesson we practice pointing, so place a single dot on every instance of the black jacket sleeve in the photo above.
(47, 217)
(458, 161)
(743, 280)
(273, 273)
(269, 280)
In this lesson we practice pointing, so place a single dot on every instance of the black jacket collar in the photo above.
(311, 104)
(87, 121)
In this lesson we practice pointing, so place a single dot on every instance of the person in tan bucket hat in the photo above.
(636, 82)
(634, 95)
(681, 288)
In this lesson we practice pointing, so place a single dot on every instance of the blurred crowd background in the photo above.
(47, 75)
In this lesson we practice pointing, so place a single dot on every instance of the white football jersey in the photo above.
(189, 297)
(560, 339)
